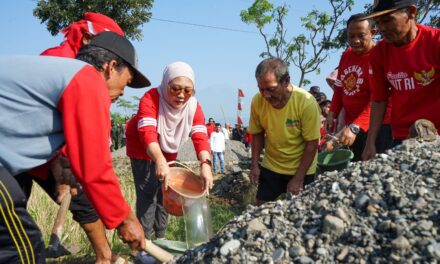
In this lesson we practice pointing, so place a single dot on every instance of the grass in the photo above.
(44, 210)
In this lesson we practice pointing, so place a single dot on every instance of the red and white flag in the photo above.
(239, 120)
(240, 93)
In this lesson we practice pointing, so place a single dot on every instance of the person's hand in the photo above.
(295, 185)
(347, 137)
(254, 174)
(206, 174)
(64, 178)
(328, 145)
(131, 232)
(162, 172)
(369, 152)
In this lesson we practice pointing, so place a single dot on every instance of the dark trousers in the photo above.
(358, 145)
(20, 239)
(149, 208)
(383, 142)
(82, 210)
(384, 139)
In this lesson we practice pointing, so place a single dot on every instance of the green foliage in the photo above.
(428, 12)
(129, 14)
(258, 13)
(305, 51)
(118, 118)
(128, 106)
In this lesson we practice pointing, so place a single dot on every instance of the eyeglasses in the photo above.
(176, 90)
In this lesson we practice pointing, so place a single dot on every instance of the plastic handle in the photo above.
(158, 253)
(181, 164)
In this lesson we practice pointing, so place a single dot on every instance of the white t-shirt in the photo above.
(217, 142)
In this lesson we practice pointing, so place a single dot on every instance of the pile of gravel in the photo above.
(235, 152)
(236, 186)
(385, 210)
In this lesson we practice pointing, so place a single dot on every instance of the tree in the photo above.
(129, 14)
(305, 51)
(127, 106)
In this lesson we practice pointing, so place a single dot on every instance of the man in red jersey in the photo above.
(60, 101)
(352, 90)
(408, 61)
(77, 35)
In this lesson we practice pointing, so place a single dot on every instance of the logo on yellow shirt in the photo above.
(292, 123)
(425, 78)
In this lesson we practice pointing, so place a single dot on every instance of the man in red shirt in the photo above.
(407, 60)
(77, 35)
(352, 88)
(210, 126)
(47, 102)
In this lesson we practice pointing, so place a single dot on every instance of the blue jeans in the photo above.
(221, 157)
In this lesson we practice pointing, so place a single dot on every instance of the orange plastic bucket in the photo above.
(181, 183)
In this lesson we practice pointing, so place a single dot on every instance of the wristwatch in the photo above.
(206, 161)
(354, 128)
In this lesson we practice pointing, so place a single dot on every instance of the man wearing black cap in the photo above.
(315, 90)
(47, 102)
(407, 60)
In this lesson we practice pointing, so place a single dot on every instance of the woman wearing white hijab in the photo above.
(168, 115)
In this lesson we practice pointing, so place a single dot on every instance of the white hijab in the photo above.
(174, 125)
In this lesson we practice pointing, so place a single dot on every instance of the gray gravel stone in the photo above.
(333, 225)
(378, 214)
(229, 247)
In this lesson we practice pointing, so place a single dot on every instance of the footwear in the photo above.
(144, 258)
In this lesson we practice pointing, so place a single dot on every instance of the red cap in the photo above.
(98, 22)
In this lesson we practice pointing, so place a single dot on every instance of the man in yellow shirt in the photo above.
(285, 120)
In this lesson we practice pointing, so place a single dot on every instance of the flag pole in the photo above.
(223, 112)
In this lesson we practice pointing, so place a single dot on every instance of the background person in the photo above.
(77, 102)
(210, 126)
(218, 146)
(407, 60)
(290, 119)
(168, 115)
(352, 90)
(238, 133)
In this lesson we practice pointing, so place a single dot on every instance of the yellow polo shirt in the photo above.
(286, 129)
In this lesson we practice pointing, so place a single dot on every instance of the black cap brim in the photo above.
(139, 80)
(122, 47)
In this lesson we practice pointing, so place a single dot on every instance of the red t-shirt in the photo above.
(66, 51)
(352, 89)
(142, 129)
(413, 72)
(63, 50)
(210, 128)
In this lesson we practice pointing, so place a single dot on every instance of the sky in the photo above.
(223, 60)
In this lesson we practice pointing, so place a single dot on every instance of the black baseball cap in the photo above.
(314, 89)
(122, 47)
(382, 7)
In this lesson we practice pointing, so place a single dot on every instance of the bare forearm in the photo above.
(307, 159)
(377, 113)
(257, 146)
(203, 155)
(155, 153)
